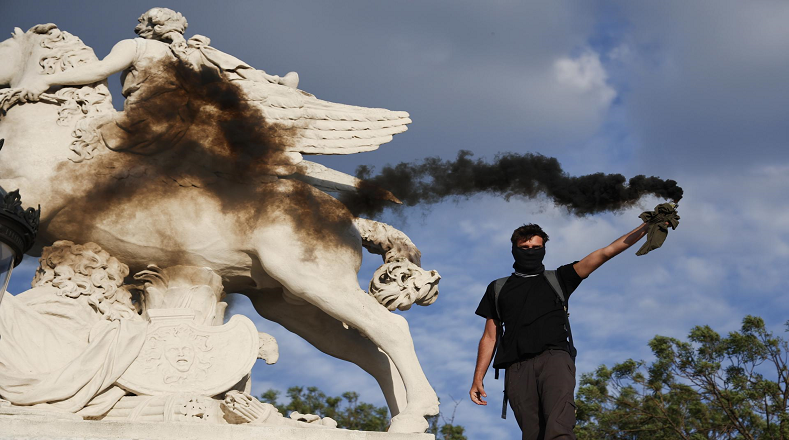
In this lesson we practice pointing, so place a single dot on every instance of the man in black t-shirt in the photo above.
(534, 349)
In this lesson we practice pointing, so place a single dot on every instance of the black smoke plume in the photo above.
(509, 175)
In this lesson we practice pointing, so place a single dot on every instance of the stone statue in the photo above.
(57, 336)
(77, 343)
(204, 168)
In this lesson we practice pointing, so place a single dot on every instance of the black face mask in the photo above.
(528, 261)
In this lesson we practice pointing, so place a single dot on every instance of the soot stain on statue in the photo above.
(204, 134)
(508, 175)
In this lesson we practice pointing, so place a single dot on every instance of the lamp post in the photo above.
(18, 228)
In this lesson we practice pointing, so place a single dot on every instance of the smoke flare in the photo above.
(509, 175)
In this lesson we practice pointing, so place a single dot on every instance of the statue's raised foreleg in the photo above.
(331, 337)
(323, 273)
(400, 281)
(387, 241)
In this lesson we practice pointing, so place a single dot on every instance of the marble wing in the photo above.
(313, 126)
(323, 127)
(319, 127)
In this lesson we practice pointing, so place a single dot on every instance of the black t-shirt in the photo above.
(532, 314)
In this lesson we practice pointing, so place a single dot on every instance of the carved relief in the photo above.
(179, 369)
(77, 315)
(174, 407)
(64, 51)
(183, 408)
(400, 283)
(184, 351)
(183, 287)
(87, 270)
(181, 357)
(177, 355)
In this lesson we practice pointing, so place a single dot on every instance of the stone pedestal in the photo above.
(43, 428)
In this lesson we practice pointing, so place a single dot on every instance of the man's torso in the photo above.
(532, 313)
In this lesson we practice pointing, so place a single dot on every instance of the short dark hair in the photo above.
(526, 232)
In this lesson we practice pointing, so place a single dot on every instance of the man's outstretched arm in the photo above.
(484, 355)
(591, 262)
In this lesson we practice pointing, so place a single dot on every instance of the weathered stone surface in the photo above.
(180, 357)
(203, 168)
(40, 429)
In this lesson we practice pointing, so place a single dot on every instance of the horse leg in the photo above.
(331, 337)
(328, 281)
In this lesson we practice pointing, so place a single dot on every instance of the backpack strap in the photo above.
(497, 286)
(553, 280)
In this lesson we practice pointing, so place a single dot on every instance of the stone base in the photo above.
(41, 428)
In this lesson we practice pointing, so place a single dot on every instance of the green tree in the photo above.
(346, 410)
(711, 387)
(444, 428)
(352, 414)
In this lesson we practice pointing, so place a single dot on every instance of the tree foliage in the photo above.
(710, 387)
(346, 409)
(444, 428)
(349, 413)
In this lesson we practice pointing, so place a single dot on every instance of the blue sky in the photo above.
(695, 92)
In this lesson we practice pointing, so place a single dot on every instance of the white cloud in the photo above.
(700, 272)
(585, 76)
(622, 52)
(695, 87)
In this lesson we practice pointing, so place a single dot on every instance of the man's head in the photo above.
(156, 23)
(528, 248)
(529, 236)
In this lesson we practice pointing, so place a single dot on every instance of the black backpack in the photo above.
(553, 281)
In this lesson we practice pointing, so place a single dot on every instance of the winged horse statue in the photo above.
(205, 167)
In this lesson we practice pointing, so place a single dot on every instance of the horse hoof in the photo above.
(432, 410)
(408, 424)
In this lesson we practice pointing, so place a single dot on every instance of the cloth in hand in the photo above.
(658, 222)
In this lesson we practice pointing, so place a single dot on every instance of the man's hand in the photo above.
(477, 393)
(484, 355)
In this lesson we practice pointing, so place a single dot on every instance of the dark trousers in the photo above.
(540, 392)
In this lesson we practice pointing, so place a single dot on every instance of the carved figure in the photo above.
(242, 408)
(178, 346)
(224, 187)
(77, 316)
(184, 287)
(181, 357)
(234, 408)
(188, 348)
(78, 322)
